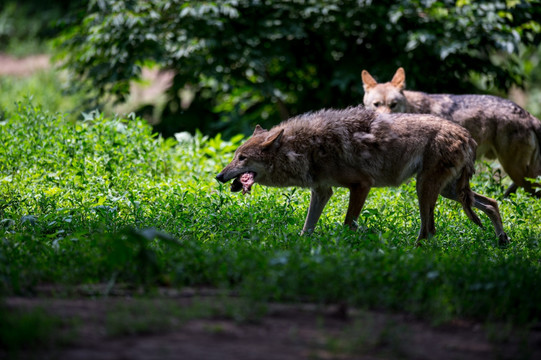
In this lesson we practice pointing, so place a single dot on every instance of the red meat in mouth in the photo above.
(243, 182)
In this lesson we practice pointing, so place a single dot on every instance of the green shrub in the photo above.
(240, 62)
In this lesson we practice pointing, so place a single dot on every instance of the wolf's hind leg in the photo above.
(459, 190)
(490, 207)
(357, 197)
(519, 179)
(485, 204)
(532, 188)
(319, 198)
(520, 164)
(510, 190)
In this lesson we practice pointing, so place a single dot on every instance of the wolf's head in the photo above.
(252, 160)
(387, 97)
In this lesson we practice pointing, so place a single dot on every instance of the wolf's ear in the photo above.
(399, 79)
(273, 140)
(368, 81)
(258, 129)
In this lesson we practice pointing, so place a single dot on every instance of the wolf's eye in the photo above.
(377, 104)
(242, 157)
(393, 105)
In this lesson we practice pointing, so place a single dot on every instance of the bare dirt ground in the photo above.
(203, 325)
(149, 90)
(23, 66)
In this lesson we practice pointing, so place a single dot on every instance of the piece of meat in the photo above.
(243, 182)
(247, 180)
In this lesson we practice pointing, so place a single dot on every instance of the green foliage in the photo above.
(45, 87)
(25, 27)
(244, 62)
(531, 61)
(106, 201)
(148, 316)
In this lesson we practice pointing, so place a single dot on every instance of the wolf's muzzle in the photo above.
(220, 177)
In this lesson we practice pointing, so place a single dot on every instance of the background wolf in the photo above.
(501, 128)
(357, 149)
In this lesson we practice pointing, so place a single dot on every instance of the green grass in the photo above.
(45, 87)
(150, 316)
(28, 330)
(106, 201)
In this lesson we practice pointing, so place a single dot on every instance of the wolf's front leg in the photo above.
(319, 198)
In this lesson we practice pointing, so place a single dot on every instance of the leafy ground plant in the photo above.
(47, 87)
(106, 201)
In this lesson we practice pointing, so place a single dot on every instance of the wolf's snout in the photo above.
(383, 110)
(220, 177)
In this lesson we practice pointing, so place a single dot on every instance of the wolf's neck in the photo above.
(418, 102)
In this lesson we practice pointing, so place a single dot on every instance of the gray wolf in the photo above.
(501, 128)
(359, 149)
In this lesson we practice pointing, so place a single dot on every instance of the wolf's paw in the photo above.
(503, 240)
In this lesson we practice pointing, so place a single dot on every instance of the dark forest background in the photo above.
(238, 63)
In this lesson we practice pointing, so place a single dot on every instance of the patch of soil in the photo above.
(23, 66)
(101, 329)
(149, 90)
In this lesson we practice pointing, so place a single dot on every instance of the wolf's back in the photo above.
(327, 120)
(328, 131)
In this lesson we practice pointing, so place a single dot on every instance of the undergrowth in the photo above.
(106, 201)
